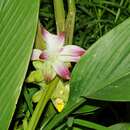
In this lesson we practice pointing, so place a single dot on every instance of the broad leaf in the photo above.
(103, 72)
(120, 126)
(18, 23)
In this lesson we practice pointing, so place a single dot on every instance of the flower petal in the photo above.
(43, 55)
(54, 42)
(69, 58)
(36, 53)
(59, 104)
(61, 70)
(72, 50)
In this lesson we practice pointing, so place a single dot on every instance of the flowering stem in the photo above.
(59, 15)
(70, 21)
(41, 105)
(39, 42)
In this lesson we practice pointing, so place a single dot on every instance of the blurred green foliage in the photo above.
(93, 18)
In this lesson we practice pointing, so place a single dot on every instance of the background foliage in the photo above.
(93, 18)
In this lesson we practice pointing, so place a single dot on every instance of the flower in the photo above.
(56, 55)
(59, 104)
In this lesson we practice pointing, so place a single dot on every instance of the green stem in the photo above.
(70, 21)
(89, 124)
(119, 11)
(41, 105)
(46, 120)
(59, 117)
(59, 15)
(39, 42)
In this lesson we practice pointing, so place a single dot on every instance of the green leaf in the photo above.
(86, 109)
(18, 22)
(104, 70)
(89, 124)
(120, 126)
(28, 99)
(102, 73)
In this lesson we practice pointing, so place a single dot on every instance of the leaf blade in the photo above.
(106, 62)
(18, 26)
